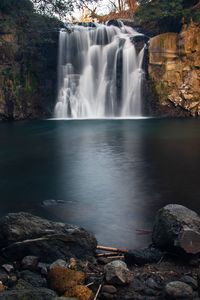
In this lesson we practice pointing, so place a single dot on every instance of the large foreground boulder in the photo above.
(24, 234)
(177, 227)
(31, 294)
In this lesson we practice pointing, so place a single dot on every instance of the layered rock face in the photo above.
(175, 68)
(28, 66)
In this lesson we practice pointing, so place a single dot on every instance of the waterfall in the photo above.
(99, 73)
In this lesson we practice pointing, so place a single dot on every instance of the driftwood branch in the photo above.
(98, 291)
(111, 249)
(107, 254)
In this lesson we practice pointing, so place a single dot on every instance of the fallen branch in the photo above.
(111, 249)
(107, 254)
(116, 257)
(89, 284)
(98, 291)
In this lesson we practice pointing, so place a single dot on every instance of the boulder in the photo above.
(29, 294)
(117, 273)
(23, 234)
(177, 227)
(36, 280)
(143, 256)
(116, 23)
(178, 290)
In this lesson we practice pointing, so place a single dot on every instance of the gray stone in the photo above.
(34, 279)
(3, 276)
(152, 284)
(58, 263)
(177, 227)
(43, 268)
(178, 290)
(28, 294)
(150, 292)
(8, 268)
(23, 234)
(110, 289)
(107, 296)
(23, 285)
(117, 273)
(30, 262)
(191, 281)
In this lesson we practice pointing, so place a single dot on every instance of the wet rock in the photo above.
(137, 285)
(150, 292)
(23, 234)
(34, 279)
(39, 294)
(43, 268)
(110, 289)
(117, 273)
(152, 284)
(79, 291)
(58, 263)
(143, 256)
(116, 23)
(12, 281)
(23, 285)
(61, 279)
(4, 276)
(107, 296)
(177, 227)
(191, 281)
(178, 290)
(8, 268)
(30, 262)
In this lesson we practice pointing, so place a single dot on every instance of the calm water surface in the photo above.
(111, 175)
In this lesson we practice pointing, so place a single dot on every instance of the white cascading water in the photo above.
(100, 73)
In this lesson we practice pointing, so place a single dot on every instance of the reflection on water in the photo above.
(111, 176)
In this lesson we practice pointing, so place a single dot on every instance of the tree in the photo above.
(15, 6)
(167, 15)
(60, 8)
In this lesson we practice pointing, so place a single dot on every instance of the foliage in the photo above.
(15, 6)
(60, 8)
(167, 15)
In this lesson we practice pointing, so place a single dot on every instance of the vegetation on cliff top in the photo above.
(168, 15)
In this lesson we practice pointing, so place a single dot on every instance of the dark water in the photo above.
(111, 175)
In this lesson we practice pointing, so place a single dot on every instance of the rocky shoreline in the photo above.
(47, 260)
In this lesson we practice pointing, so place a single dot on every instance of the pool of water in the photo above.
(111, 175)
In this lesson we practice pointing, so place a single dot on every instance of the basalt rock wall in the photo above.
(28, 66)
(174, 70)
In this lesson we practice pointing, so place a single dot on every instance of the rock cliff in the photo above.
(28, 65)
(174, 69)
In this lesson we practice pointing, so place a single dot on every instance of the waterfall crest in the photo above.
(100, 73)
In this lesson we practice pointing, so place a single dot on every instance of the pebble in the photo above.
(8, 268)
(178, 290)
(43, 268)
(30, 262)
(110, 289)
(152, 284)
(191, 281)
(58, 263)
(107, 296)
